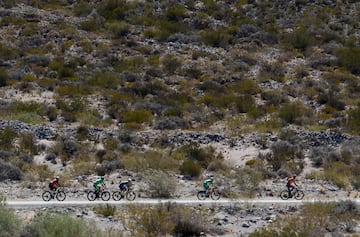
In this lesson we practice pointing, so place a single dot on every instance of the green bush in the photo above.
(54, 225)
(190, 168)
(9, 223)
(164, 220)
(349, 58)
(4, 77)
(7, 137)
(293, 113)
(161, 184)
(105, 210)
(244, 103)
(8, 171)
(215, 38)
(300, 39)
(118, 29)
(136, 116)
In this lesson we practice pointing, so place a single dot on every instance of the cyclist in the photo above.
(98, 183)
(207, 183)
(125, 185)
(291, 183)
(54, 184)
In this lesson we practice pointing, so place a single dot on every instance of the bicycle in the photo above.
(295, 192)
(59, 194)
(213, 192)
(104, 195)
(129, 194)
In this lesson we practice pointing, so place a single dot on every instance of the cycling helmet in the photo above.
(57, 178)
(102, 177)
(129, 179)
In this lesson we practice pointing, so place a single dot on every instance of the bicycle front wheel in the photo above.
(215, 195)
(116, 196)
(61, 196)
(299, 195)
(105, 196)
(201, 195)
(284, 195)
(46, 196)
(91, 196)
(130, 195)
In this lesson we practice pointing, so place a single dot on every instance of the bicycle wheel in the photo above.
(91, 196)
(105, 196)
(215, 194)
(130, 195)
(61, 195)
(284, 195)
(116, 196)
(201, 195)
(299, 195)
(46, 196)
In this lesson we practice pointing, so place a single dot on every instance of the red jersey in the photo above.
(291, 180)
(54, 182)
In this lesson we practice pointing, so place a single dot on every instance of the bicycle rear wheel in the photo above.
(46, 196)
(105, 196)
(61, 196)
(116, 196)
(201, 195)
(130, 195)
(284, 195)
(215, 195)
(91, 196)
(299, 195)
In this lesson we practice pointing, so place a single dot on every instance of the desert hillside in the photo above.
(171, 92)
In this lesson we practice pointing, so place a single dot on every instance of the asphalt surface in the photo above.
(266, 202)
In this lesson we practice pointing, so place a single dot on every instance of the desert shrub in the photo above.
(165, 219)
(338, 173)
(171, 63)
(190, 168)
(171, 123)
(28, 143)
(105, 210)
(293, 112)
(7, 137)
(51, 225)
(248, 180)
(319, 155)
(215, 38)
(354, 120)
(130, 64)
(4, 77)
(89, 25)
(300, 39)
(7, 53)
(161, 184)
(107, 80)
(113, 9)
(136, 116)
(28, 112)
(202, 155)
(8, 171)
(247, 86)
(118, 29)
(283, 152)
(82, 132)
(273, 97)
(9, 223)
(272, 71)
(348, 58)
(244, 103)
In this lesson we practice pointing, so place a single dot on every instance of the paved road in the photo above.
(53, 203)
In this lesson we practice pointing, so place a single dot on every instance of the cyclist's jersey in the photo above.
(54, 182)
(123, 184)
(291, 181)
(98, 182)
(208, 181)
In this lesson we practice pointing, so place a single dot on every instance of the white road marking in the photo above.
(31, 203)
